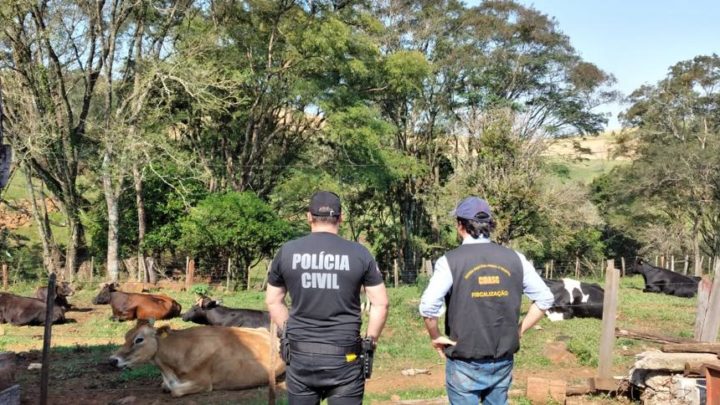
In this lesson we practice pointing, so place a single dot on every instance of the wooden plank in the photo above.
(712, 319)
(607, 333)
(712, 384)
(605, 384)
(703, 299)
(702, 347)
(695, 368)
(650, 337)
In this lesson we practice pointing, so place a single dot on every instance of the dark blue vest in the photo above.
(483, 305)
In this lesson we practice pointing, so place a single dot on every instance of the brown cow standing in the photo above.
(62, 291)
(129, 306)
(19, 310)
(200, 359)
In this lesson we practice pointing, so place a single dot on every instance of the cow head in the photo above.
(195, 314)
(104, 296)
(141, 344)
(198, 312)
(64, 289)
(637, 267)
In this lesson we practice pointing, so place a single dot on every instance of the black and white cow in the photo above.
(574, 298)
(665, 281)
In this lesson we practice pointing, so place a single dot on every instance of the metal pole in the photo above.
(50, 300)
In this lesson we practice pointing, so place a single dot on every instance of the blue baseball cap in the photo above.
(473, 208)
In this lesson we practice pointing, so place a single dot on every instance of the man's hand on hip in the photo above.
(440, 343)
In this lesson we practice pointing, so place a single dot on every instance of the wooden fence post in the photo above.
(686, 266)
(228, 274)
(712, 317)
(44, 372)
(622, 263)
(273, 363)
(607, 333)
(577, 266)
(190, 274)
(703, 297)
(5, 276)
(552, 268)
(396, 275)
(92, 267)
(672, 263)
(547, 270)
(700, 266)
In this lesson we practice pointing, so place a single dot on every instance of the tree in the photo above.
(678, 117)
(447, 68)
(233, 226)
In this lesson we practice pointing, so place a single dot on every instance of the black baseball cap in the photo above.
(473, 208)
(325, 204)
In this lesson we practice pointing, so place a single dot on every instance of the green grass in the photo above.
(583, 171)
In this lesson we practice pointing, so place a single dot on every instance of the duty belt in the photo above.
(324, 348)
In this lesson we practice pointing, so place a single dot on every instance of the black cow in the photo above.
(575, 299)
(209, 312)
(62, 291)
(19, 310)
(665, 281)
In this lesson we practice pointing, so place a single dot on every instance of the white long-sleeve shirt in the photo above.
(433, 299)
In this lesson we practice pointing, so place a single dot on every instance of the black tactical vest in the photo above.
(483, 305)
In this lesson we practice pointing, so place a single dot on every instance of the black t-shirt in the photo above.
(323, 274)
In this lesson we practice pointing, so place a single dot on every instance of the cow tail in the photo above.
(273, 363)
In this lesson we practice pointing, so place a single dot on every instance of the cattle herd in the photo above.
(237, 337)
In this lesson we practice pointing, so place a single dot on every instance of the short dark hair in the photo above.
(477, 227)
(332, 220)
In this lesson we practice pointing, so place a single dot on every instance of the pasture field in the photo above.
(568, 350)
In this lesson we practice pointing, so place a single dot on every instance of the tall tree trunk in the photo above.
(111, 200)
(51, 253)
(140, 203)
(409, 220)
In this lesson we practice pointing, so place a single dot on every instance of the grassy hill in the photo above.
(584, 158)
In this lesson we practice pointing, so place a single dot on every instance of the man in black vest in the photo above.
(481, 284)
(323, 274)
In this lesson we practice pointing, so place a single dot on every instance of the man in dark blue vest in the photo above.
(481, 284)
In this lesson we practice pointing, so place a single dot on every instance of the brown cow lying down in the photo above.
(62, 291)
(129, 306)
(200, 359)
(19, 310)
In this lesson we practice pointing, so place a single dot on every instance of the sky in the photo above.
(635, 40)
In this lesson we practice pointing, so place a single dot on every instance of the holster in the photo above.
(366, 356)
(285, 346)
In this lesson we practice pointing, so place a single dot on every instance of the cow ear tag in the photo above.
(164, 331)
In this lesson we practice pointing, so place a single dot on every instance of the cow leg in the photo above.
(190, 387)
(651, 288)
(555, 316)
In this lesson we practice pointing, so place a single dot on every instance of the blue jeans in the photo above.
(471, 381)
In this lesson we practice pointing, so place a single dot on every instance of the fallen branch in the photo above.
(631, 334)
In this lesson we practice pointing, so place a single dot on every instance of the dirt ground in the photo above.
(100, 383)
(93, 381)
